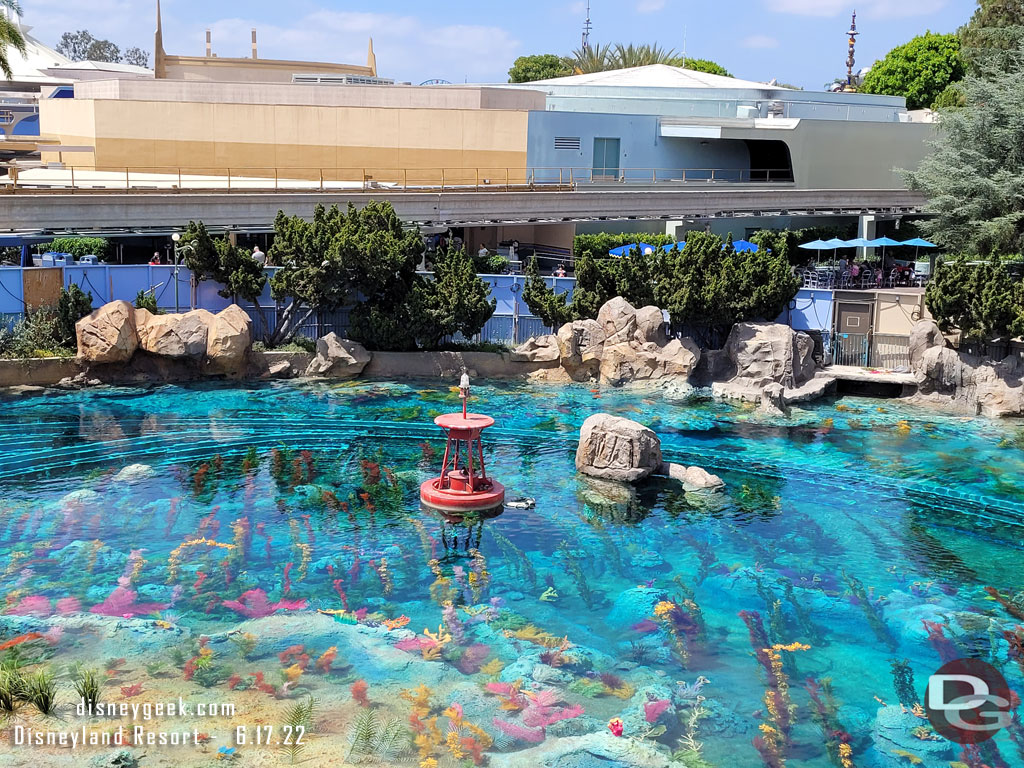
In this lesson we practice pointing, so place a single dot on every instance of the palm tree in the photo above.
(10, 34)
(630, 56)
(593, 58)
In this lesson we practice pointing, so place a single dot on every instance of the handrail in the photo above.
(307, 178)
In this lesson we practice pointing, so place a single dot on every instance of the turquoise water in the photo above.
(843, 529)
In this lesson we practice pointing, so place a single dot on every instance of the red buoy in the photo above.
(463, 485)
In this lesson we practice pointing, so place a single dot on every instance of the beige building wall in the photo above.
(414, 146)
(896, 312)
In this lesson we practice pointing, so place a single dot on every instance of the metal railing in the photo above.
(309, 179)
(880, 350)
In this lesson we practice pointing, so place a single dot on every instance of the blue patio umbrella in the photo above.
(882, 242)
(858, 242)
(919, 243)
(742, 246)
(624, 250)
(670, 246)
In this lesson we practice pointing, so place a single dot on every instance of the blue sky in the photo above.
(796, 41)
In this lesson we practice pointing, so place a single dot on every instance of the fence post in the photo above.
(127, 180)
(405, 179)
(442, 179)
(477, 179)
(229, 179)
(179, 179)
(506, 180)
(321, 186)
(72, 180)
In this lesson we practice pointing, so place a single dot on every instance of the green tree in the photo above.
(980, 298)
(919, 70)
(993, 36)
(552, 308)
(11, 38)
(589, 294)
(974, 177)
(217, 259)
(312, 275)
(72, 306)
(543, 66)
(703, 65)
(83, 46)
(136, 56)
(593, 58)
(455, 301)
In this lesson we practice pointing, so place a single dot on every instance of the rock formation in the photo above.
(613, 448)
(623, 345)
(964, 383)
(762, 354)
(114, 332)
(338, 358)
(108, 335)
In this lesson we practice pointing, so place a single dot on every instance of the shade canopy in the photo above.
(881, 242)
(835, 242)
(668, 247)
(816, 245)
(742, 246)
(919, 242)
(859, 242)
(625, 250)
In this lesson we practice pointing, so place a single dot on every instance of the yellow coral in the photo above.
(293, 673)
(452, 742)
(174, 561)
(533, 634)
(664, 608)
(791, 647)
(846, 755)
(492, 667)
(419, 698)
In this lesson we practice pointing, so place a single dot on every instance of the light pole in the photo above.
(178, 250)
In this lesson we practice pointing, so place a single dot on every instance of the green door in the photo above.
(606, 158)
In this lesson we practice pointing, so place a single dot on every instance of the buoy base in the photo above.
(450, 500)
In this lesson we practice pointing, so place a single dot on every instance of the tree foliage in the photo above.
(217, 259)
(83, 46)
(919, 70)
(552, 308)
(602, 58)
(974, 177)
(11, 39)
(542, 66)
(980, 298)
(993, 36)
(455, 301)
(80, 246)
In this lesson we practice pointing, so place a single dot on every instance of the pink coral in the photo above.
(254, 604)
(471, 659)
(654, 709)
(121, 602)
(516, 731)
(542, 712)
(33, 605)
(68, 605)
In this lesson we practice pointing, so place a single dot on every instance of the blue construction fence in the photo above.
(511, 323)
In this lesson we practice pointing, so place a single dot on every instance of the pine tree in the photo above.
(552, 308)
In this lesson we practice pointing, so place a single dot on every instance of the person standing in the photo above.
(259, 256)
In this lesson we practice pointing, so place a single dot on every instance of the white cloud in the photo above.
(649, 6)
(875, 9)
(759, 41)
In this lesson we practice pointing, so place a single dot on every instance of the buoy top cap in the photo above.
(458, 421)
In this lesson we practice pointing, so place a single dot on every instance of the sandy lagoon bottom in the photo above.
(238, 552)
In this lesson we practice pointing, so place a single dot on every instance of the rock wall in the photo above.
(964, 383)
(623, 345)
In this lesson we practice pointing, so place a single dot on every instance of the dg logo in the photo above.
(968, 701)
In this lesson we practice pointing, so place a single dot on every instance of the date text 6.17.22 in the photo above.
(269, 736)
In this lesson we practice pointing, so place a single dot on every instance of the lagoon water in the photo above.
(252, 545)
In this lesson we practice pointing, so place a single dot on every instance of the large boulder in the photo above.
(617, 318)
(613, 448)
(539, 349)
(694, 478)
(229, 340)
(580, 346)
(925, 335)
(175, 336)
(338, 358)
(762, 353)
(650, 326)
(773, 400)
(108, 335)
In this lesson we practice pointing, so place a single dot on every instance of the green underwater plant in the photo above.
(40, 691)
(377, 739)
(88, 685)
(903, 682)
(12, 687)
(298, 724)
(575, 571)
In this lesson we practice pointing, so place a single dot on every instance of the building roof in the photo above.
(38, 57)
(105, 66)
(653, 76)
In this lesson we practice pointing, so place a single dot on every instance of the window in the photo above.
(568, 142)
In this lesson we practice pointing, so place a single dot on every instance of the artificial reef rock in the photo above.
(623, 345)
(965, 383)
(220, 342)
(338, 358)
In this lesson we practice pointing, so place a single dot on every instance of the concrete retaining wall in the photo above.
(37, 371)
(447, 365)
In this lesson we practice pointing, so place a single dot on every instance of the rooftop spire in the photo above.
(851, 59)
(587, 26)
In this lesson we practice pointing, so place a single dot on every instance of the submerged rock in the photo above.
(133, 473)
(633, 606)
(693, 478)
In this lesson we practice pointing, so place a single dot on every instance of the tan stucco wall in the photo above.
(209, 137)
(204, 68)
(896, 313)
